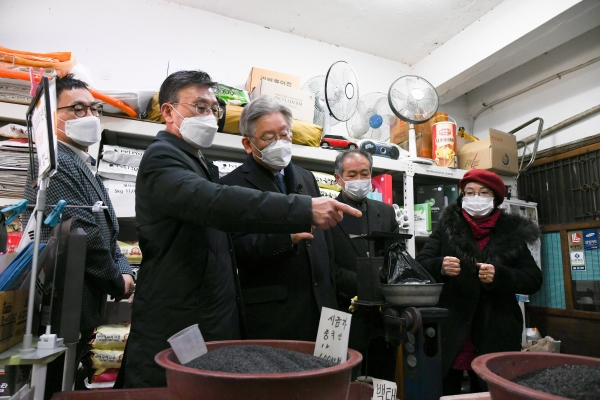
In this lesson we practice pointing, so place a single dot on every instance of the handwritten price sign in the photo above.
(333, 334)
(384, 390)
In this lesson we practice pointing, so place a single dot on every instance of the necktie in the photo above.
(92, 161)
(280, 183)
(203, 161)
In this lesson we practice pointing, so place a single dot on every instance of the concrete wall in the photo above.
(128, 44)
(553, 102)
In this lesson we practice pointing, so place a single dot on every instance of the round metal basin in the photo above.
(420, 295)
(331, 383)
(497, 369)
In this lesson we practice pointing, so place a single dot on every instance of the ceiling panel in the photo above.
(399, 30)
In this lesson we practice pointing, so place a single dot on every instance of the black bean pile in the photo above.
(577, 382)
(257, 360)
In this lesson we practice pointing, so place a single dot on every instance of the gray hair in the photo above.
(258, 107)
(339, 160)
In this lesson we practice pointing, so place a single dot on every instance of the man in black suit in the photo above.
(186, 276)
(353, 173)
(285, 279)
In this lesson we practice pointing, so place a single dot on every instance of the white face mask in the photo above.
(198, 131)
(477, 206)
(357, 189)
(277, 155)
(84, 131)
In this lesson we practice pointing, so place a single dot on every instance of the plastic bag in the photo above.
(400, 267)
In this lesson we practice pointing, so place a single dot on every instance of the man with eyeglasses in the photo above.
(480, 254)
(186, 276)
(285, 279)
(106, 269)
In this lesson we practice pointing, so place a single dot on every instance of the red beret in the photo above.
(487, 178)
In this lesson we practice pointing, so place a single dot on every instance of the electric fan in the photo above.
(316, 85)
(372, 119)
(340, 94)
(415, 101)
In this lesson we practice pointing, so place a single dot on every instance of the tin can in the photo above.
(443, 144)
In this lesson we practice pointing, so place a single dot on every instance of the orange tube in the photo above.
(114, 102)
(56, 60)
(24, 76)
(58, 55)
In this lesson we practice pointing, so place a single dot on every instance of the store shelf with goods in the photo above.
(12, 112)
(129, 132)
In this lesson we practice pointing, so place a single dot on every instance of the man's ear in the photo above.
(338, 179)
(247, 144)
(166, 110)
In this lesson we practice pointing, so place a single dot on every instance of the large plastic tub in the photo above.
(331, 383)
(497, 369)
(358, 391)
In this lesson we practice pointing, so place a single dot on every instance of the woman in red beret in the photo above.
(480, 254)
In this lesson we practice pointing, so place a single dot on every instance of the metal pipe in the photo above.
(543, 81)
(41, 202)
(562, 124)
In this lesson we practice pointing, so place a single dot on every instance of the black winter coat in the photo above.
(186, 276)
(489, 311)
(284, 287)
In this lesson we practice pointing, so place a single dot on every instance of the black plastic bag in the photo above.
(400, 267)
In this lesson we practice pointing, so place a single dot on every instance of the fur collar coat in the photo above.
(489, 311)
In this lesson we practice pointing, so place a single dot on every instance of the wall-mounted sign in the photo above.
(590, 239)
(575, 240)
(577, 261)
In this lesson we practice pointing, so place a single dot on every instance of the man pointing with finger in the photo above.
(186, 276)
(283, 277)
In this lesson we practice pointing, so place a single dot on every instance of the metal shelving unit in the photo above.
(137, 133)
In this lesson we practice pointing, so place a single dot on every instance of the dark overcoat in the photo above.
(284, 286)
(489, 311)
(380, 218)
(186, 276)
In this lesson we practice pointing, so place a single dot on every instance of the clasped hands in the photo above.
(451, 267)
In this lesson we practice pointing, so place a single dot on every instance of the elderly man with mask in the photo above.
(106, 269)
(186, 276)
(353, 169)
(285, 279)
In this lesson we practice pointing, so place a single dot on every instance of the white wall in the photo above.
(554, 101)
(132, 41)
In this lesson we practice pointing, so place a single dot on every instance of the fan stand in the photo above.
(326, 123)
(412, 148)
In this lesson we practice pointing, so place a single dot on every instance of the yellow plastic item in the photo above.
(467, 136)
(111, 337)
(326, 181)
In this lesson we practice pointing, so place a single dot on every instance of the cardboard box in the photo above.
(383, 184)
(13, 318)
(278, 78)
(433, 195)
(497, 153)
(422, 217)
(301, 103)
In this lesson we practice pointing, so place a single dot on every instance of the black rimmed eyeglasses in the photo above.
(80, 109)
(203, 110)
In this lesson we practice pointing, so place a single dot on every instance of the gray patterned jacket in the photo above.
(77, 185)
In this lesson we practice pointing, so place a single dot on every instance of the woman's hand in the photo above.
(486, 272)
(450, 266)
